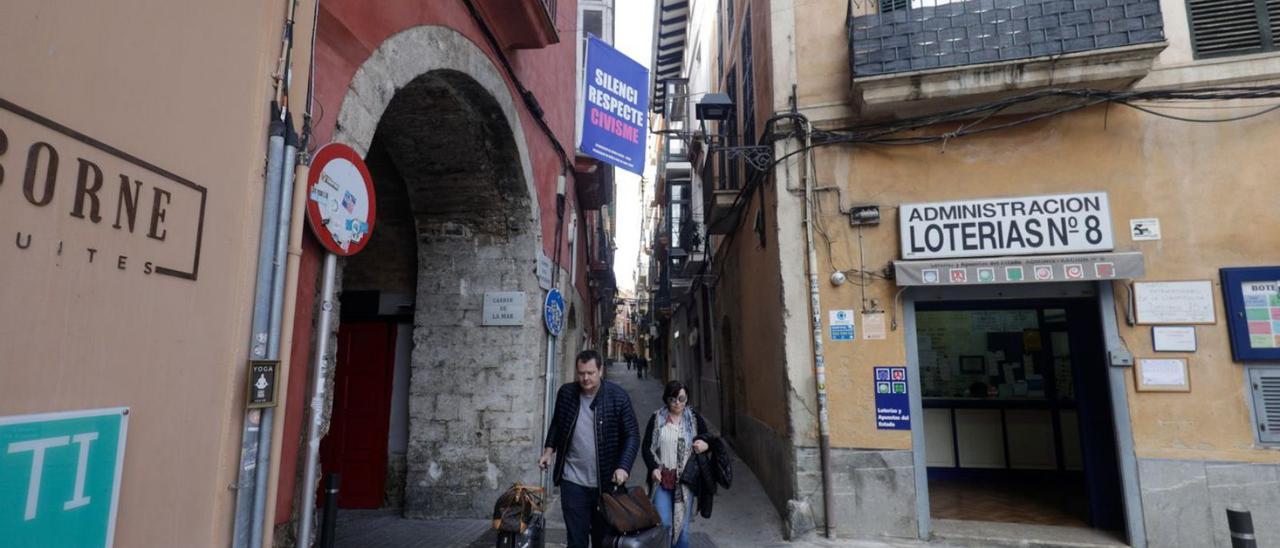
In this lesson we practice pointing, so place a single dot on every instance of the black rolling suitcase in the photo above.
(533, 536)
(653, 537)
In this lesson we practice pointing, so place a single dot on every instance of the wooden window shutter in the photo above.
(1264, 382)
(1231, 27)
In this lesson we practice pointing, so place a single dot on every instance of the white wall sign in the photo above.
(1167, 375)
(1035, 225)
(504, 308)
(1144, 229)
(842, 328)
(873, 326)
(544, 271)
(1171, 338)
(1188, 302)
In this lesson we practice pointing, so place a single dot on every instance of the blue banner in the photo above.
(893, 405)
(616, 110)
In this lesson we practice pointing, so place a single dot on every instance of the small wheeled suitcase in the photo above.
(532, 537)
(653, 537)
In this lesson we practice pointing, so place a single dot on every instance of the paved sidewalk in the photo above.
(743, 516)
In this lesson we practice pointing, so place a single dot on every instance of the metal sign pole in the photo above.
(318, 390)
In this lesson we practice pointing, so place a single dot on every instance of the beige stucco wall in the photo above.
(183, 85)
(1209, 184)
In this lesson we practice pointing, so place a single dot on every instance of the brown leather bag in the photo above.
(629, 511)
(515, 508)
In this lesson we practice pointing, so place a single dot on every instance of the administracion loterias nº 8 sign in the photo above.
(615, 112)
(1033, 225)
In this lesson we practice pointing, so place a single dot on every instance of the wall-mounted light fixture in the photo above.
(716, 107)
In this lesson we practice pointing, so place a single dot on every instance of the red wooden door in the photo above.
(356, 445)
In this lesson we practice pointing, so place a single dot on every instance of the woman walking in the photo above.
(674, 434)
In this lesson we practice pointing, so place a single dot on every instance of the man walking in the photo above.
(594, 438)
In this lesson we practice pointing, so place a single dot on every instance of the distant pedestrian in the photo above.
(641, 363)
(674, 433)
(631, 360)
(594, 438)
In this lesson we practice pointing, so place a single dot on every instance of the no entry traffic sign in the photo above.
(340, 200)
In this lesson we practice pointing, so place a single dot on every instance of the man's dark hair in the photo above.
(589, 355)
(673, 391)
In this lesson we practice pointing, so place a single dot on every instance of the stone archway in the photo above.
(434, 109)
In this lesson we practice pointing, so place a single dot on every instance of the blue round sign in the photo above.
(553, 312)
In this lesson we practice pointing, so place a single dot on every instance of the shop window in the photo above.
(1264, 383)
(995, 354)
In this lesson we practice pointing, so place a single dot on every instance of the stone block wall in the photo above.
(476, 392)
(985, 31)
(875, 491)
(1184, 502)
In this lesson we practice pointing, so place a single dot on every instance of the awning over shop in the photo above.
(1017, 270)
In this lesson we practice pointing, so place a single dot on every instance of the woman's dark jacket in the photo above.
(617, 435)
(702, 472)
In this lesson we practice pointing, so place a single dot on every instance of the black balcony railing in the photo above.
(910, 35)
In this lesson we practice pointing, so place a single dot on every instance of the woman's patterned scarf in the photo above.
(682, 495)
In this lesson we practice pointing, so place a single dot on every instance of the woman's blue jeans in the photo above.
(665, 501)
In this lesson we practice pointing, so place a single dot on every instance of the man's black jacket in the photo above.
(617, 436)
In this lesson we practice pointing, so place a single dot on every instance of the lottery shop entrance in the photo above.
(1017, 414)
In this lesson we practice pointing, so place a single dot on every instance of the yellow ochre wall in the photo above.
(1211, 185)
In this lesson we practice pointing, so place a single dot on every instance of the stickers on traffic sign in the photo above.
(1013, 273)
(930, 275)
(1073, 271)
(1105, 270)
(1044, 272)
(986, 275)
(959, 275)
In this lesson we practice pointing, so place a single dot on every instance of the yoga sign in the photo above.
(615, 112)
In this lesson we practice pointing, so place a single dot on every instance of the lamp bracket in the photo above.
(759, 157)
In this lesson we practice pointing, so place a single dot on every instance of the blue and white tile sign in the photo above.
(615, 112)
(842, 325)
(60, 476)
(893, 406)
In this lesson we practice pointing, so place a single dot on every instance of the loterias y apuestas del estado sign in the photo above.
(615, 115)
(1034, 225)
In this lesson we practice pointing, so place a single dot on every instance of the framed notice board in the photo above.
(1252, 298)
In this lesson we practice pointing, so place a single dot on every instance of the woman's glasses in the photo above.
(681, 399)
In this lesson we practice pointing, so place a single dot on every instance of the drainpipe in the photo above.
(547, 403)
(249, 446)
(286, 343)
(273, 338)
(318, 392)
(819, 362)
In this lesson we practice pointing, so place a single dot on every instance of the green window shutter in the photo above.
(1229, 27)
(1264, 382)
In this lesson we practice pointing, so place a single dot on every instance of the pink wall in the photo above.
(349, 32)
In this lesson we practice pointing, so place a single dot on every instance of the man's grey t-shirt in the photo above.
(581, 466)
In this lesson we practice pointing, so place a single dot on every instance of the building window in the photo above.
(1233, 27)
(748, 100)
(729, 169)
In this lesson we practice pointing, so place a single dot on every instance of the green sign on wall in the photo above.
(60, 477)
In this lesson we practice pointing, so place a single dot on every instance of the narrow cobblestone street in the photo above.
(743, 515)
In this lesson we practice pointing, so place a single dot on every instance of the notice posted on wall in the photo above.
(893, 406)
(842, 325)
(873, 326)
(1262, 311)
